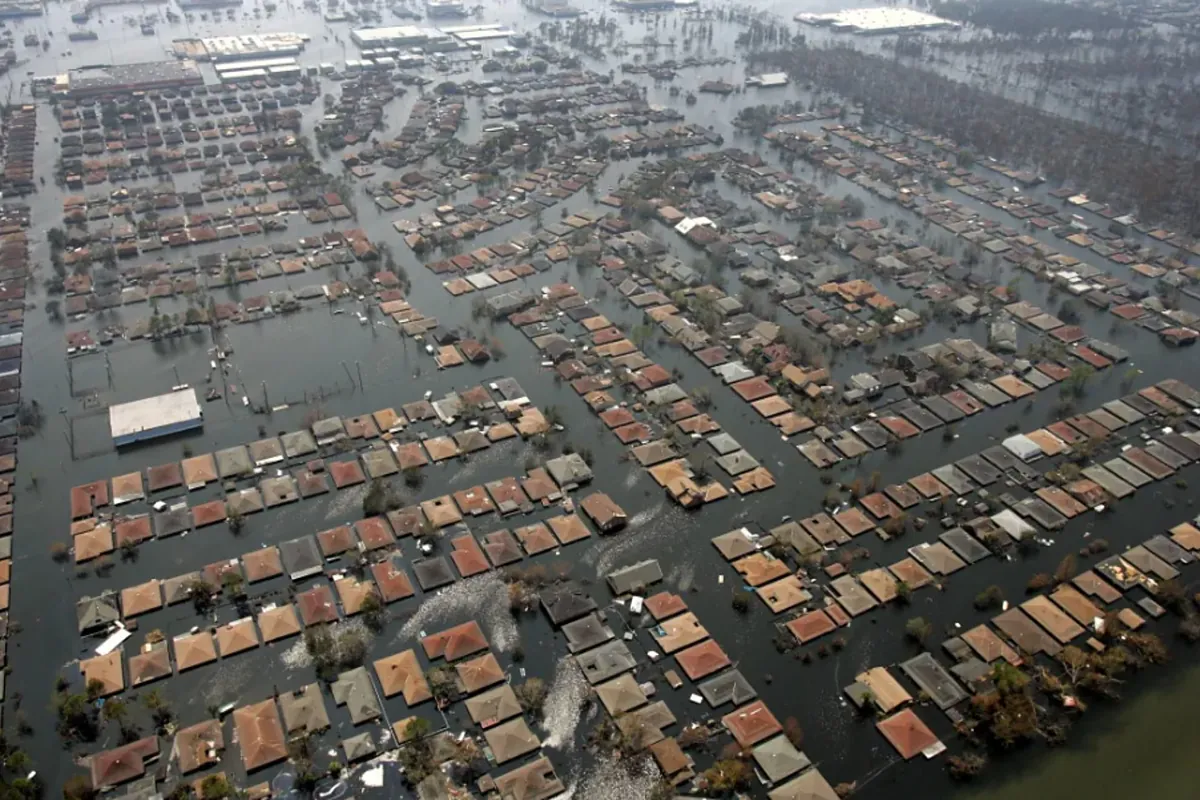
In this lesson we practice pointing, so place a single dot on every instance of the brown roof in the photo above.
(536, 538)
(536, 780)
(192, 745)
(402, 673)
(907, 733)
(209, 513)
(702, 659)
(353, 593)
(149, 665)
(259, 734)
(262, 564)
(336, 541)
(441, 511)
(317, 606)
(664, 605)
(679, 632)
(474, 501)
(670, 756)
(374, 532)
(603, 511)
(87, 497)
(93, 543)
(133, 529)
(393, 582)
(127, 487)
(468, 556)
(278, 623)
(568, 528)
(455, 643)
(406, 521)
(511, 739)
(752, 724)
(237, 637)
(194, 649)
(199, 470)
(121, 764)
(108, 670)
(479, 673)
(141, 598)
(164, 476)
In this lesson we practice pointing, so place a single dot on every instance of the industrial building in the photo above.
(445, 8)
(645, 5)
(249, 46)
(122, 78)
(768, 80)
(155, 417)
(877, 20)
(394, 36)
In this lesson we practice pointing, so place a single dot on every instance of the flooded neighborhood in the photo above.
(570, 398)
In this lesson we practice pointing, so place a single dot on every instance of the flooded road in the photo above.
(315, 352)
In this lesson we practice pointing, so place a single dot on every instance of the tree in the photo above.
(727, 775)
(215, 787)
(115, 710)
(794, 733)
(918, 629)
(1065, 569)
(79, 787)
(234, 518)
(532, 695)
(203, 595)
(413, 477)
(158, 707)
(375, 500)
(966, 766)
(374, 613)
(903, 593)
(234, 584)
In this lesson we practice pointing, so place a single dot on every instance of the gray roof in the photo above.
(97, 612)
(606, 661)
(586, 632)
(304, 709)
(359, 747)
(569, 470)
(635, 577)
(779, 759)
(566, 601)
(728, 687)
(301, 557)
(354, 690)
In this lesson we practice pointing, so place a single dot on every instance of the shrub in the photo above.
(990, 598)
(1039, 582)
(918, 629)
(741, 602)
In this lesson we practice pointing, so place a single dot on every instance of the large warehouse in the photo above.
(155, 417)
(121, 78)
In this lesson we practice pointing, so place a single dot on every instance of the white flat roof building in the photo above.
(768, 80)
(153, 417)
(392, 35)
(877, 20)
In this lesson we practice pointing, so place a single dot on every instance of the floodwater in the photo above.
(1143, 748)
(315, 352)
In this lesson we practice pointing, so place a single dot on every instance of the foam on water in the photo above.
(614, 780)
(344, 500)
(563, 706)
(483, 598)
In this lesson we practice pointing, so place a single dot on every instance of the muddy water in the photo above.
(306, 352)
(1146, 748)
